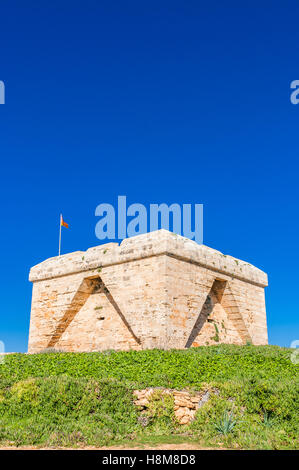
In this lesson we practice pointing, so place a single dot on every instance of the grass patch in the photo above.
(76, 399)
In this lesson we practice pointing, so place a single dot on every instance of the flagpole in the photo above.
(59, 235)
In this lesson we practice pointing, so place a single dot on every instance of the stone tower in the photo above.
(157, 290)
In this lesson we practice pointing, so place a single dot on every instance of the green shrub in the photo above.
(71, 399)
(25, 391)
(160, 411)
(226, 424)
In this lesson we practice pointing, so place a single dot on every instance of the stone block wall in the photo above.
(157, 290)
(185, 403)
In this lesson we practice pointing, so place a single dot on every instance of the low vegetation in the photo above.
(80, 399)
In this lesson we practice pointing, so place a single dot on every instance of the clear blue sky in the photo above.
(181, 101)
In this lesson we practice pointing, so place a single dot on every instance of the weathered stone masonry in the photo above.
(157, 290)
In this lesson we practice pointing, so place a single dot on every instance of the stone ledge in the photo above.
(185, 403)
(161, 242)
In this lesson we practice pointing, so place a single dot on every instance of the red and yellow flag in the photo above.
(63, 223)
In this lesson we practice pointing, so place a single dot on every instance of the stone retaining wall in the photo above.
(185, 403)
